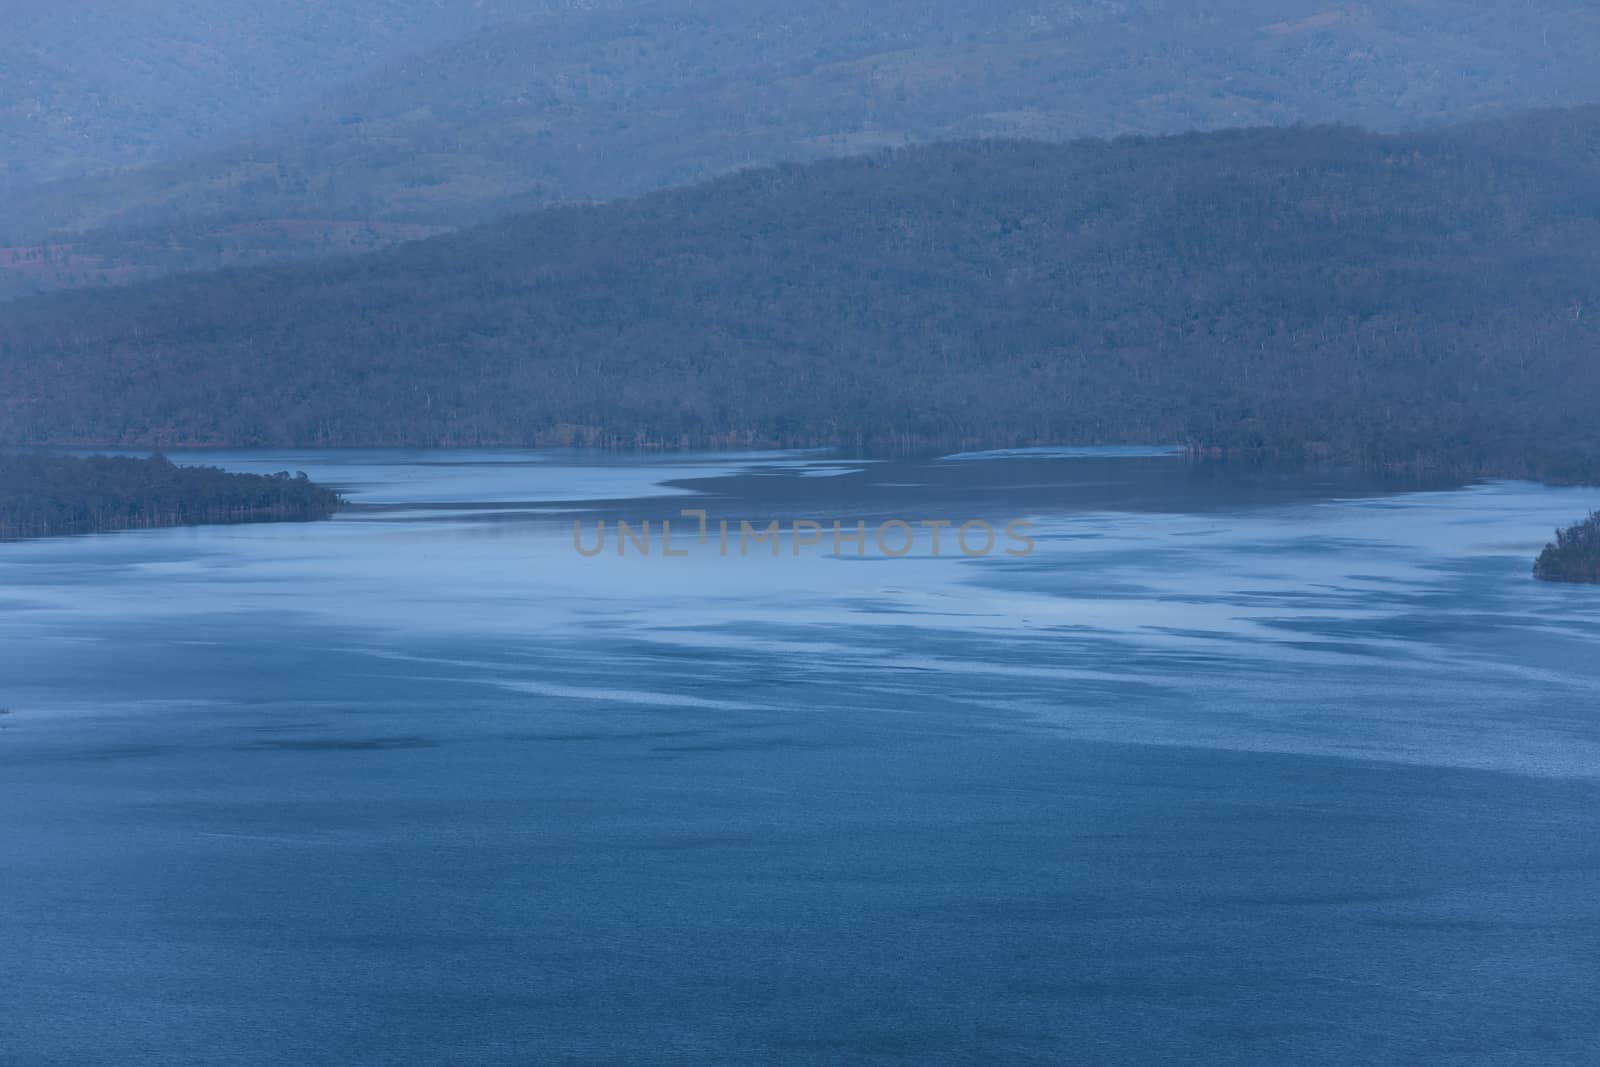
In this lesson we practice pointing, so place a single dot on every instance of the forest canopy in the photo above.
(1426, 300)
(1574, 556)
(49, 495)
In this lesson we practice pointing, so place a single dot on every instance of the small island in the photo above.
(1574, 556)
(44, 495)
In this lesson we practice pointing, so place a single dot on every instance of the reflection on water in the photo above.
(1232, 759)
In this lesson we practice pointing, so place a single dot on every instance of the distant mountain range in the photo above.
(88, 86)
(146, 136)
(1429, 300)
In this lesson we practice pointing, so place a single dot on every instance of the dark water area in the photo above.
(1234, 767)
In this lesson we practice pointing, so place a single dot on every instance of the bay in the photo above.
(1235, 766)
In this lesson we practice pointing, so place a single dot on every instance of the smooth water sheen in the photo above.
(1235, 768)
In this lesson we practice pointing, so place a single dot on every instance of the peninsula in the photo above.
(45, 495)
(1574, 556)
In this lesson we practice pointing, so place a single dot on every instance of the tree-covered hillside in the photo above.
(51, 495)
(412, 111)
(1426, 299)
(1574, 556)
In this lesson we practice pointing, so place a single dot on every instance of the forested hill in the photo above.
(419, 108)
(1574, 556)
(1428, 298)
(52, 495)
(193, 134)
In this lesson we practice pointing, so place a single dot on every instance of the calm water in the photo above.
(1234, 768)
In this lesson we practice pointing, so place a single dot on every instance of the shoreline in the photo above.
(45, 495)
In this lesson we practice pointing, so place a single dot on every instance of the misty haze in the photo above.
(683, 531)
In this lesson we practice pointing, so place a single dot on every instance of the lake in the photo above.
(1232, 766)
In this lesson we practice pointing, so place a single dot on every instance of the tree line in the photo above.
(1426, 300)
(1574, 556)
(44, 495)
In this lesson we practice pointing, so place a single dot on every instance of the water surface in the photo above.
(1235, 767)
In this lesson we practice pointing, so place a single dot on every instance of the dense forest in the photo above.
(49, 495)
(172, 130)
(1574, 556)
(1426, 300)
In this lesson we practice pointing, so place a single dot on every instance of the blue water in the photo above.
(1235, 767)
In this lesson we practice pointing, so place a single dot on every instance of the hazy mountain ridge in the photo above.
(1421, 299)
(579, 102)
(115, 257)
(93, 84)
